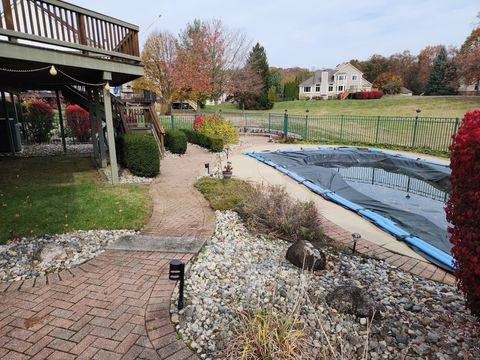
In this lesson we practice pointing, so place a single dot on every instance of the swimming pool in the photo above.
(404, 196)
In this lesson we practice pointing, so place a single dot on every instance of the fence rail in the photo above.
(433, 133)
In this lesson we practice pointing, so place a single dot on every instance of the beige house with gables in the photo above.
(329, 83)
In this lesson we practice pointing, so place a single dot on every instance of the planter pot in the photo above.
(227, 174)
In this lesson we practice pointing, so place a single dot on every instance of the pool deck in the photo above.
(339, 222)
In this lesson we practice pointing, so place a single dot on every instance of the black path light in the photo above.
(177, 272)
(355, 237)
(207, 166)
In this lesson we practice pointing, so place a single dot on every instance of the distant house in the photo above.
(328, 83)
(472, 89)
(405, 92)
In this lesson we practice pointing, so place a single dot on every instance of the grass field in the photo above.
(57, 195)
(436, 106)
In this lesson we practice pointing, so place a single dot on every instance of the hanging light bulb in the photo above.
(53, 71)
(107, 86)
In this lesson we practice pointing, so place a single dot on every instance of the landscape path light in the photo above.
(177, 273)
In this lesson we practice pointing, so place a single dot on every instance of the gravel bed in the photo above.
(237, 271)
(125, 176)
(51, 150)
(30, 257)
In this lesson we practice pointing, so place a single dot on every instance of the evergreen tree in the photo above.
(257, 61)
(437, 83)
(290, 90)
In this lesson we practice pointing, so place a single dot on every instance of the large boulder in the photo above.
(305, 256)
(50, 252)
(352, 300)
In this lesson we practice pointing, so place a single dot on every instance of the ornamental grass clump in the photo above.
(271, 210)
(267, 335)
(463, 208)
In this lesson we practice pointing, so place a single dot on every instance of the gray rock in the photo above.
(305, 256)
(352, 300)
(51, 252)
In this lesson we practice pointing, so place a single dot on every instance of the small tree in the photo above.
(438, 82)
(39, 119)
(272, 94)
(389, 83)
(257, 61)
(463, 208)
(78, 121)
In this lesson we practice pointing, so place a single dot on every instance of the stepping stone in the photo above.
(170, 244)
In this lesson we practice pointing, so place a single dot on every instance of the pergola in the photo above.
(54, 45)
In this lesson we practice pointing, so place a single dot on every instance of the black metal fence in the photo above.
(434, 133)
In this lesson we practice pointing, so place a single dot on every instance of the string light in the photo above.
(107, 86)
(53, 71)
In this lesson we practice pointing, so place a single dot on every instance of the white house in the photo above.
(331, 82)
(472, 89)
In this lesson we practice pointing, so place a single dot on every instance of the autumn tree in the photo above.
(468, 59)
(247, 86)
(389, 82)
(158, 58)
(371, 68)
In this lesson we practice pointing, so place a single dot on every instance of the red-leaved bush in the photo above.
(199, 119)
(78, 120)
(372, 94)
(463, 208)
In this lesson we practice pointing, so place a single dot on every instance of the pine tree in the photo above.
(257, 61)
(437, 83)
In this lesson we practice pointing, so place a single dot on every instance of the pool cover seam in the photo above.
(380, 221)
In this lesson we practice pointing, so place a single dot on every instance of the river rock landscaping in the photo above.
(53, 149)
(402, 316)
(27, 257)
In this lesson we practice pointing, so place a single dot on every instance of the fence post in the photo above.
(376, 131)
(285, 124)
(414, 135)
(269, 122)
(341, 127)
(172, 117)
(305, 136)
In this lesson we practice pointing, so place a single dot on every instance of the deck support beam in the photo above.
(107, 101)
(101, 134)
(7, 120)
(60, 120)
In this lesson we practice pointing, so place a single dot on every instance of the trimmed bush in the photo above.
(79, 122)
(39, 120)
(213, 143)
(140, 154)
(219, 127)
(365, 95)
(463, 208)
(176, 141)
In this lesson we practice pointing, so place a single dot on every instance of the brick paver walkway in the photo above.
(115, 306)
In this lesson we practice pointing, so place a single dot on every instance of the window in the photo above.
(354, 77)
(330, 87)
(342, 77)
(340, 87)
(317, 88)
(306, 89)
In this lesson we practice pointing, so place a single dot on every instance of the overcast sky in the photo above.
(312, 33)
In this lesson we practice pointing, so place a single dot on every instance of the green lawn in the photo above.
(436, 106)
(58, 195)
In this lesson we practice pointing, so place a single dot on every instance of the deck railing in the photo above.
(61, 24)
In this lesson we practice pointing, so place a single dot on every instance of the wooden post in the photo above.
(93, 126)
(7, 11)
(101, 137)
(7, 120)
(82, 35)
(107, 101)
(60, 120)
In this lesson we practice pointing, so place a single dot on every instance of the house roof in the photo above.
(404, 90)
(317, 77)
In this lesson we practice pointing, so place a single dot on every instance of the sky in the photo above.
(311, 33)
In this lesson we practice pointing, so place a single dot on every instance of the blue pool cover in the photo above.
(327, 171)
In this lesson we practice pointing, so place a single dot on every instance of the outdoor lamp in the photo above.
(53, 71)
(418, 111)
(207, 166)
(177, 272)
(355, 237)
(107, 86)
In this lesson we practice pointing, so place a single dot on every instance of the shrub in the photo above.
(140, 154)
(266, 209)
(79, 122)
(372, 94)
(213, 143)
(221, 128)
(176, 141)
(463, 208)
(199, 119)
(39, 120)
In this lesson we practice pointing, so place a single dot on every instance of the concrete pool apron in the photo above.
(340, 222)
